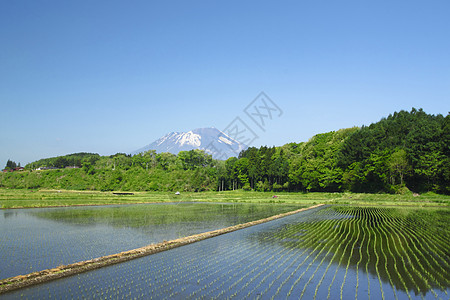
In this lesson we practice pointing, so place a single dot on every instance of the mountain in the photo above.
(211, 140)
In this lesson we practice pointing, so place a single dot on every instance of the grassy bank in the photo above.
(23, 198)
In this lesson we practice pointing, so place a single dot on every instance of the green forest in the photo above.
(406, 151)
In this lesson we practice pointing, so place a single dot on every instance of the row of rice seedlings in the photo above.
(178, 270)
(373, 217)
(365, 248)
(367, 245)
(440, 242)
(398, 253)
(226, 269)
(339, 263)
(142, 278)
(118, 283)
(385, 237)
(179, 275)
(360, 254)
(393, 251)
(324, 225)
(364, 218)
(264, 266)
(319, 246)
(273, 238)
(343, 241)
(250, 292)
(209, 272)
(437, 247)
(387, 232)
(334, 247)
(389, 236)
(276, 265)
(270, 263)
(410, 264)
(439, 269)
(315, 229)
(175, 273)
(387, 255)
(361, 221)
(192, 267)
(418, 236)
(252, 270)
(323, 248)
(245, 271)
(27, 253)
(225, 277)
(399, 235)
(415, 263)
(369, 258)
(355, 226)
(337, 248)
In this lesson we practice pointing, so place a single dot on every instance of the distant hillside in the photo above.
(403, 153)
(409, 149)
(70, 160)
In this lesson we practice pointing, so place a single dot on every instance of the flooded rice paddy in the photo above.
(41, 238)
(324, 253)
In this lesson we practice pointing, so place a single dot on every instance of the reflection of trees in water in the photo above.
(9, 214)
(144, 216)
(406, 248)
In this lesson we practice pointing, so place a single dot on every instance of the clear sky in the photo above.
(113, 76)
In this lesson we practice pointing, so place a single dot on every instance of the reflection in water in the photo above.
(324, 253)
(9, 214)
(140, 216)
(41, 238)
(408, 249)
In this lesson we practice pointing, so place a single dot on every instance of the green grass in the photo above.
(15, 198)
(427, 199)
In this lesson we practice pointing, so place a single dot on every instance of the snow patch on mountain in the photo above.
(225, 140)
(189, 138)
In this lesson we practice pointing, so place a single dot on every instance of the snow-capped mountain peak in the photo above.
(211, 140)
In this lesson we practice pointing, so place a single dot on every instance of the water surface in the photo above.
(40, 238)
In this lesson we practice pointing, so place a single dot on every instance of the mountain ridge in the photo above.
(209, 139)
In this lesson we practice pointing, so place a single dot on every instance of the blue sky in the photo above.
(113, 76)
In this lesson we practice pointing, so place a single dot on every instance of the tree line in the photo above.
(404, 151)
(11, 165)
